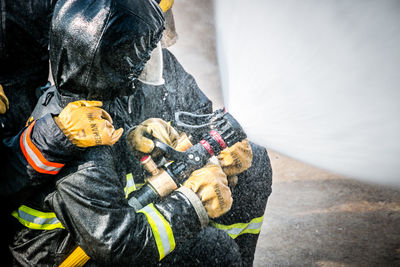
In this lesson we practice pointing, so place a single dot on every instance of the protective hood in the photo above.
(99, 48)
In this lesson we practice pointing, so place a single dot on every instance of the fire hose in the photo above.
(215, 132)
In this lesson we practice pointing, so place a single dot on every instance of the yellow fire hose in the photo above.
(77, 258)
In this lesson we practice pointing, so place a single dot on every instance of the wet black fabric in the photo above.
(24, 27)
(22, 180)
(250, 197)
(211, 247)
(179, 93)
(90, 202)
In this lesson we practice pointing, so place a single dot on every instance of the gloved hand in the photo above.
(183, 143)
(4, 105)
(86, 124)
(211, 186)
(156, 127)
(236, 159)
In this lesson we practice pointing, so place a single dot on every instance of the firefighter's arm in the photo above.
(46, 144)
(126, 236)
(34, 155)
(43, 148)
(243, 222)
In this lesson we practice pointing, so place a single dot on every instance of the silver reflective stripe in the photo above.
(238, 231)
(37, 220)
(129, 181)
(234, 230)
(35, 158)
(161, 229)
(130, 185)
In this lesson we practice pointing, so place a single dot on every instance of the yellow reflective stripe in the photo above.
(139, 185)
(237, 229)
(162, 231)
(130, 185)
(35, 219)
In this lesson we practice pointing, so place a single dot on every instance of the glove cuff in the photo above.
(197, 205)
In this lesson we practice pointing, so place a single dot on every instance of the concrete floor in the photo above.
(313, 218)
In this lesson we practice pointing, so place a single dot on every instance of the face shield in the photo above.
(170, 36)
(153, 70)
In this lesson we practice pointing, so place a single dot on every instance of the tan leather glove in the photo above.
(156, 127)
(4, 105)
(236, 159)
(183, 143)
(211, 186)
(86, 124)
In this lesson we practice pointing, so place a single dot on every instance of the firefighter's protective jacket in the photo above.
(85, 203)
(24, 27)
(181, 93)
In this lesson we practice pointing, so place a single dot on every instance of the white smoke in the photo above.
(316, 80)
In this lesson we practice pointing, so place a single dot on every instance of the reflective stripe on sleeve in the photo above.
(131, 185)
(162, 231)
(34, 156)
(35, 219)
(237, 229)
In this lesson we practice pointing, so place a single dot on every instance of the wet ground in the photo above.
(313, 218)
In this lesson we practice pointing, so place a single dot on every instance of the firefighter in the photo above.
(31, 166)
(165, 88)
(97, 51)
(21, 178)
